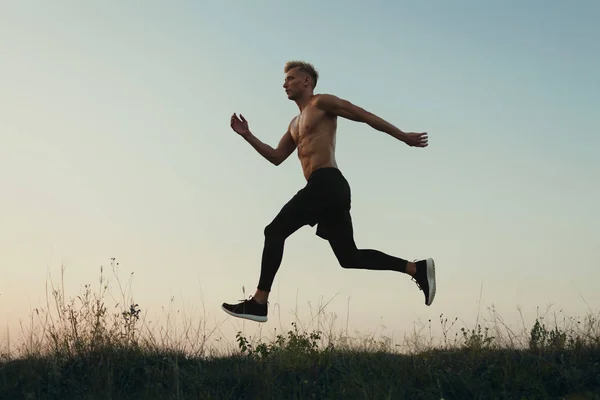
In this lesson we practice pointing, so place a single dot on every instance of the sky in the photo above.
(115, 142)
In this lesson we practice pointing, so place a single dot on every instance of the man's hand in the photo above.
(414, 139)
(239, 125)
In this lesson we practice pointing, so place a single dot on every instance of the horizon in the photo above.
(116, 143)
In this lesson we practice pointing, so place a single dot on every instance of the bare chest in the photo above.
(311, 122)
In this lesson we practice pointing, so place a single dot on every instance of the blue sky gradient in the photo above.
(115, 143)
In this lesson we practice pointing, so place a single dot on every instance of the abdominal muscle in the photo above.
(315, 151)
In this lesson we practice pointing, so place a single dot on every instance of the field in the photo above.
(79, 348)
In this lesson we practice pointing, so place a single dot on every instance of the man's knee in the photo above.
(349, 261)
(270, 230)
(274, 231)
(347, 255)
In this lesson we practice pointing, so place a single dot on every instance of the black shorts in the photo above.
(325, 200)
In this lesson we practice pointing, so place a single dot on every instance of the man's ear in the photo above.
(307, 81)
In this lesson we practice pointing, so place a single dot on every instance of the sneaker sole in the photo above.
(430, 280)
(251, 317)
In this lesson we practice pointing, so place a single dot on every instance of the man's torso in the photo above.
(314, 132)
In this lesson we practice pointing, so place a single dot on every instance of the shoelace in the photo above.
(250, 298)
(414, 280)
(417, 283)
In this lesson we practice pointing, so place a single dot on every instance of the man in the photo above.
(325, 200)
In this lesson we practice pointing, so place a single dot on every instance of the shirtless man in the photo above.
(325, 200)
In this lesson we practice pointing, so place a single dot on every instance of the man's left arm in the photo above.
(344, 108)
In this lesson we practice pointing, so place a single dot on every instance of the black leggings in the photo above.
(325, 201)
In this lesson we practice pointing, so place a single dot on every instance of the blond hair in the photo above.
(305, 67)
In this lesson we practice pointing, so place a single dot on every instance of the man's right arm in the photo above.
(262, 148)
(275, 156)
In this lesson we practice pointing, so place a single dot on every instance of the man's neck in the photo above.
(302, 102)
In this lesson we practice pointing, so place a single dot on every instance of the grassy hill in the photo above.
(85, 352)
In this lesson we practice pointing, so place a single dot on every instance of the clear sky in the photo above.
(114, 142)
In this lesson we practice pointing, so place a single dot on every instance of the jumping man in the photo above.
(325, 200)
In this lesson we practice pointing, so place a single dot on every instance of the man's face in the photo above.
(294, 83)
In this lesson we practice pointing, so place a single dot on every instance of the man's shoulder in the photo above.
(324, 98)
(325, 101)
(292, 122)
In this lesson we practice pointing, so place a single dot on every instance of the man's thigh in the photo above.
(335, 223)
(302, 209)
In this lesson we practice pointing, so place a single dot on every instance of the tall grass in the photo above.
(86, 347)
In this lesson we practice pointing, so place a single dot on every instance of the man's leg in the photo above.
(294, 215)
(297, 212)
(349, 256)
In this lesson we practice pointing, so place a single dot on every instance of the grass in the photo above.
(79, 349)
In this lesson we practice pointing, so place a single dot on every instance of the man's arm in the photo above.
(276, 156)
(285, 147)
(343, 108)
